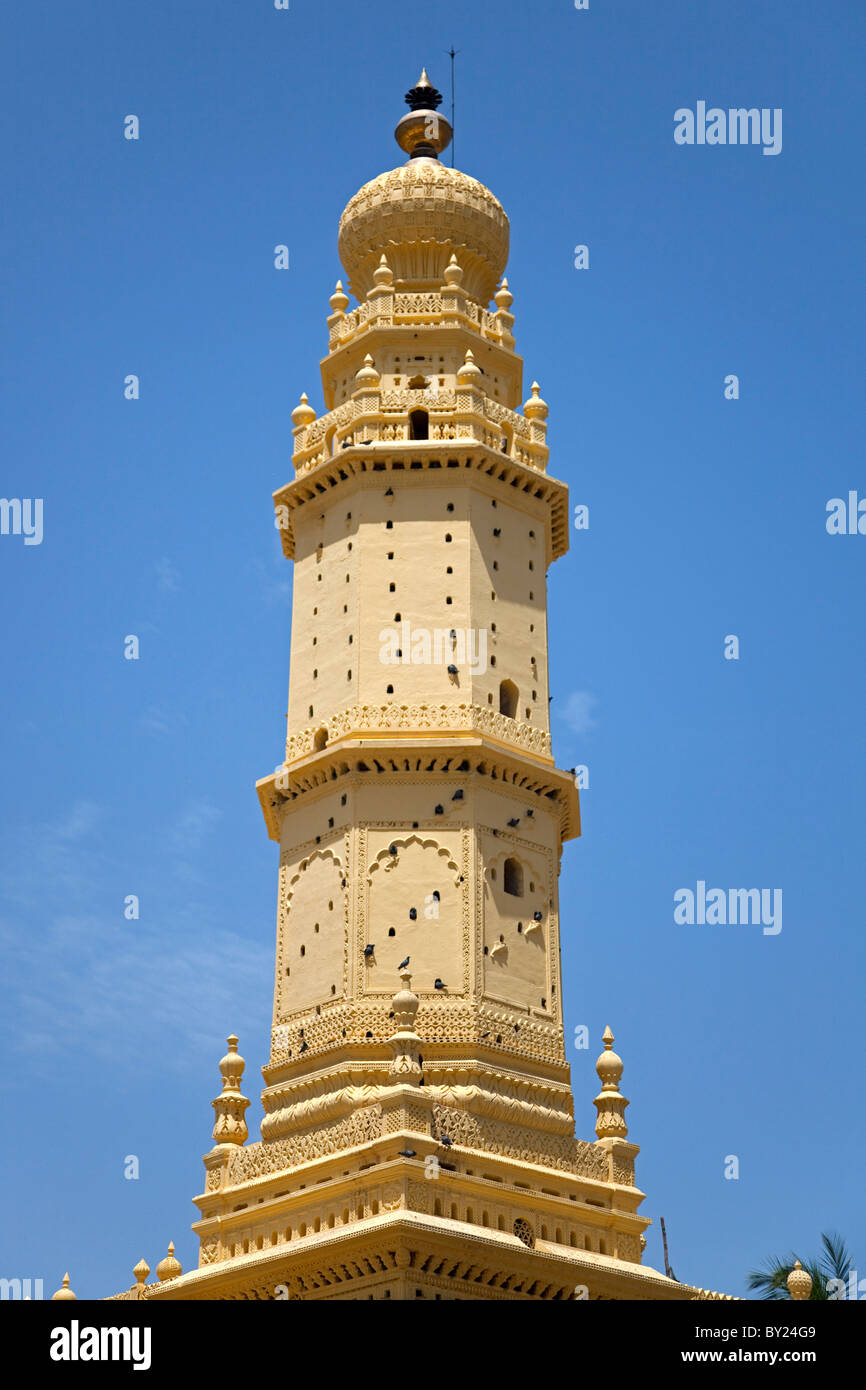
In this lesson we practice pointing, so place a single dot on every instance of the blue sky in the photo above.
(707, 517)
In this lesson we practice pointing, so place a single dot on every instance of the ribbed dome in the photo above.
(419, 215)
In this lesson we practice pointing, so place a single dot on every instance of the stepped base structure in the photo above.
(418, 1131)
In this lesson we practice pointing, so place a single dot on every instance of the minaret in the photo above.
(418, 1134)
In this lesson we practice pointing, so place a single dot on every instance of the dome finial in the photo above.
(610, 1103)
(423, 133)
(799, 1282)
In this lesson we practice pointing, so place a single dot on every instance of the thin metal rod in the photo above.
(453, 53)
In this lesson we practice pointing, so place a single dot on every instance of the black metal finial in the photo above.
(423, 96)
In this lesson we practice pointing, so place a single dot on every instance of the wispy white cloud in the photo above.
(578, 711)
(167, 576)
(161, 722)
(79, 974)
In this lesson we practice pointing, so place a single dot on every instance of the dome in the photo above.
(422, 213)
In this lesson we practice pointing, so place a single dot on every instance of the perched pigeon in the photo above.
(438, 984)
(443, 1139)
(458, 795)
(368, 951)
(406, 1153)
(403, 964)
(514, 821)
(537, 916)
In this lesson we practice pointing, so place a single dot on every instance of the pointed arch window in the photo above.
(419, 424)
(512, 875)
(508, 699)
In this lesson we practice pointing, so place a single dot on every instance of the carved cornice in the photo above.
(412, 719)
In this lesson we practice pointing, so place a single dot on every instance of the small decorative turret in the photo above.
(169, 1267)
(339, 300)
(423, 133)
(799, 1283)
(230, 1106)
(469, 373)
(404, 1041)
(64, 1292)
(383, 275)
(453, 273)
(367, 376)
(610, 1105)
(535, 408)
(141, 1272)
(503, 298)
(303, 414)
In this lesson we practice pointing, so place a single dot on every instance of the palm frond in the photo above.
(835, 1262)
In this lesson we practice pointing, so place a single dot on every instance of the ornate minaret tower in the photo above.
(418, 1135)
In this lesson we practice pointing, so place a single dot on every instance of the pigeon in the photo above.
(435, 895)
(403, 964)
(530, 813)
(497, 531)
(458, 795)
(392, 850)
(453, 634)
(537, 916)
(452, 670)
(413, 914)
(390, 492)
(514, 821)
(438, 984)
(368, 951)
(438, 811)
(406, 1153)
(443, 1139)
